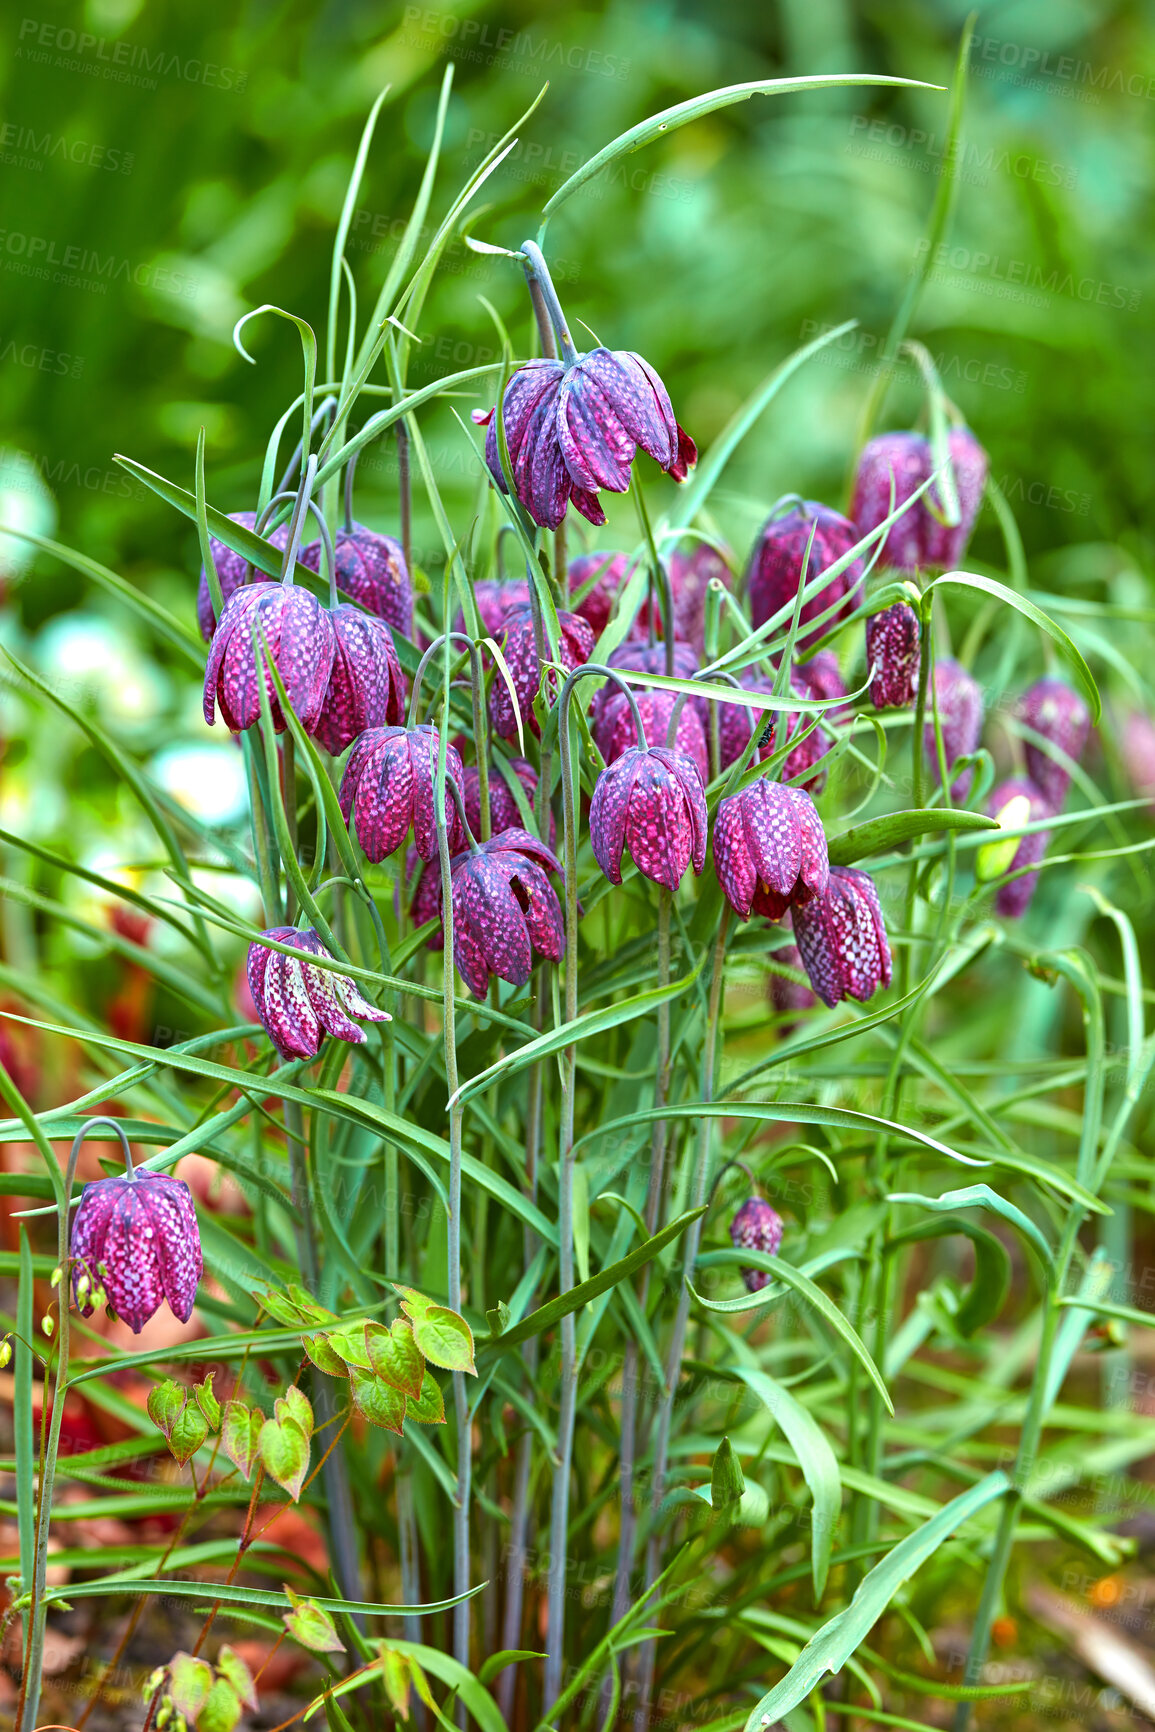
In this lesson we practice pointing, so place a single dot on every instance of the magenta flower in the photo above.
(892, 652)
(774, 575)
(736, 723)
(820, 677)
(1050, 708)
(366, 687)
(1137, 747)
(691, 567)
(756, 1227)
(135, 1243)
(494, 601)
(611, 570)
(371, 570)
(919, 538)
(388, 789)
(299, 1004)
(1014, 898)
(301, 642)
(769, 849)
(505, 909)
(842, 938)
(960, 715)
(650, 802)
(520, 651)
(614, 731)
(572, 428)
(231, 569)
(503, 808)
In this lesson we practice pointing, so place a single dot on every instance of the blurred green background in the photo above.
(166, 167)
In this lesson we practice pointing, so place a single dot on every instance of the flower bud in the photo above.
(757, 1227)
(903, 461)
(892, 655)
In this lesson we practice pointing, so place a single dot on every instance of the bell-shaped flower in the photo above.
(297, 1003)
(504, 909)
(574, 427)
(769, 849)
(387, 789)
(651, 803)
(842, 938)
(775, 575)
(134, 1245)
(1050, 708)
(893, 657)
(756, 1227)
(959, 700)
(736, 723)
(614, 731)
(299, 634)
(903, 461)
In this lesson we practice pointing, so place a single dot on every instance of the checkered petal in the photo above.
(298, 1004)
(231, 569)
(775, 573)
(902, 462)
(300, 639)
(609, 806)
(290, 1021)
(597, 449)
(960, 715)
(388, 788)
(756, 1227)
(575, 646)
(142, 1229)
(659, 826)
(1013, 898)
(483, 898)
(842, 938)
(892, 651)
(638, 400)
(1051, 709)
(366, 687)
(614, 730)
(543, 916)
(692, 783)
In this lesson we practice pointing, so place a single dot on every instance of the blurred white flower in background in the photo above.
(25, 503)
(206, 778)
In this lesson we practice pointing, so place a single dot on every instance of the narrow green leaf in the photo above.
(991, 586)
(880, 833)
(816, 1458)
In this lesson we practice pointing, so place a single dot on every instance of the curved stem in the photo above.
(538, 277)
(437, 644)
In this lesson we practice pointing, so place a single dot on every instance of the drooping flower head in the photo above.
(842, 938)
(651, 802)
(387, 789)
(892, 652)
(371, 570)
(297, 1003)
(301, 642)
(609, 570)
(960, 714)
(919, 538)
(757, 1227)
(775, 575)
(495, 599)
(231, 569)
(504, 813)
(504, 909)
(573, 427)
(366, 687)
(769, 849)
(575, 645)
(1013, 898)
(1050, 708)
(135, 1242)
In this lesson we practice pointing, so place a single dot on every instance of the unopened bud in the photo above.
(48, 1324)
(57, 1276)
(5, 1352)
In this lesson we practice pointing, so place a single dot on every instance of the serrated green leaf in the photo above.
(222, 1708)
(240, 1435)
(395, 1356)
(191, 1680)
(323, 1356)
(295, 1404)
(445, 1339)
(207, 1401)
(189, 1430)
(165, 1404)
(377, 1400)
(429, 1407)
(284, 1452)
(311, 1626)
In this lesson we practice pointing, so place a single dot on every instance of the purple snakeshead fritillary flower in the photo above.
(614, 731)
(769, 849)
(1052, 709)
(301, 642)
(505, 909)
(572, 429)
(1137, 747)
(960, 716)
(892, 651)
(736, 724)
(756, 1227)
(842, 938)
(298, 1004)
(918, 539)
(371, 570)
(231, 569)
(774, 575)
(820, 677)
(650, 802)
(366, 687)
(575, 645)
(1014, 898)
(137, 1238)
(388, 789)
(690, 572)
(503, 808)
